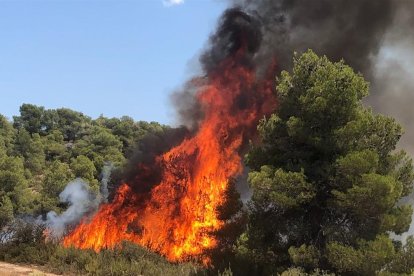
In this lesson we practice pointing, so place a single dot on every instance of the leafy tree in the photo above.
(72, 124)
(123, 128)
(231, 213)
(129, 131)
(84, 168)
(22, 142)
(3, 151)
(30, 147)
(35, 155)
(326, 181)
(54, 146)
(6, 211)
(44, 149)
(56, 178)
(7, 133)
(403, 263)
(100, 145)
(35, 119)
(14, 185)
(30, 118)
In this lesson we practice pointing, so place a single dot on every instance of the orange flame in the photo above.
(179, 215)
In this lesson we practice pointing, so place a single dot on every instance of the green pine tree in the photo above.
(326, 179)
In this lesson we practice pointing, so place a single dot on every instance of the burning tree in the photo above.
(326, 180)
(171, 204)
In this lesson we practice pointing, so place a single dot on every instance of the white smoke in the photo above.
(411, 230)
(81, 201)
(403, 237)
(394, 83)
(106, 177)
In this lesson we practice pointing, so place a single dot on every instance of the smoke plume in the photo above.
(169, 200)
(237, 31)
(374, 37)
(80, 200)
(352, 30)
(106, 177)
(394, 83)
(167, 188)
(142, 171)
(365, 33)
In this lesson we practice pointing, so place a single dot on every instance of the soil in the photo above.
(7, 269)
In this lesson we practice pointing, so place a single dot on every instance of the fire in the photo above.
(178, 217)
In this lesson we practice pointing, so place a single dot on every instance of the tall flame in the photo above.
(179, 215)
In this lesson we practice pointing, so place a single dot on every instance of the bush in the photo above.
(26, 244)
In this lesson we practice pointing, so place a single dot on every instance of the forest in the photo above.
(329, 187)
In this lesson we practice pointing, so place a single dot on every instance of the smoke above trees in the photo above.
(366, 34)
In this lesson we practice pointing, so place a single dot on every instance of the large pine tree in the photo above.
(326, 178)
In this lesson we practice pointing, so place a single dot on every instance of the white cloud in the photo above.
(170, 3)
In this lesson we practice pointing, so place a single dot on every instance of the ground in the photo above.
(7, 269)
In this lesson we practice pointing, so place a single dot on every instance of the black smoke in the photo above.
(353, 30)
(143, 171)
(348, 29)
(267, 30)
(375, 37)
(358, 31)
(236, 30)
(238, 36)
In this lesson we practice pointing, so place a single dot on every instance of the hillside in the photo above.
(42, 150)
(328, 187)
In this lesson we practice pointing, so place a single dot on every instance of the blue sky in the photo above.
(101, 57)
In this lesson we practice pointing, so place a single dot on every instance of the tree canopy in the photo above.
(326, 178)
(42, 150)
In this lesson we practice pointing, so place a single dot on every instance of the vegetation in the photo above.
(28, 246)
(42, 150)
(326, 178)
